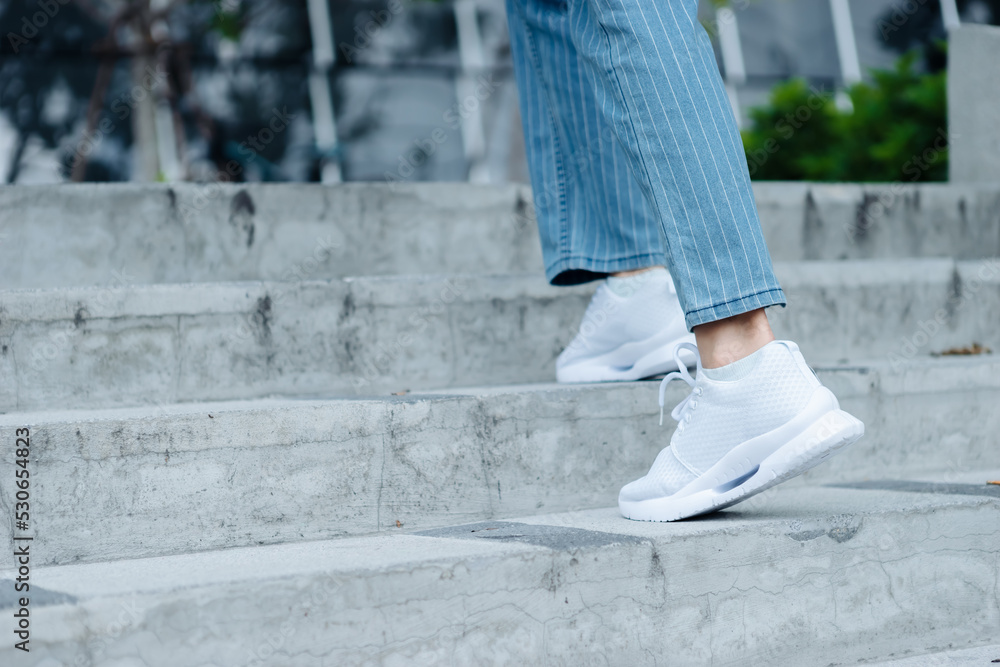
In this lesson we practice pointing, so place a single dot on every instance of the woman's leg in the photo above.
(756, 414)
(659, 89)
(592, 216)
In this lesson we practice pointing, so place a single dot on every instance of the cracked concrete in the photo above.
(946, 656)
(187, 233)
(561, 538)
(184, 514)
(711, 592)
(177, 234)
(170, 343)
(136, 482)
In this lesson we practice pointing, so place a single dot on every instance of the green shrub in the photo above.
(897, 130)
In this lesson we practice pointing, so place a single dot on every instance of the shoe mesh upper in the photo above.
(621, 312)
(723, 414)
(729, 413)
(665, 477)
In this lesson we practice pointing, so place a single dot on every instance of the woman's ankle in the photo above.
(633, 272)
(724, 341)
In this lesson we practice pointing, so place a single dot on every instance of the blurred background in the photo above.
(419, 90)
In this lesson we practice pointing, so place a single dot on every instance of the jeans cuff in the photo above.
(580, 266)
(738, 306)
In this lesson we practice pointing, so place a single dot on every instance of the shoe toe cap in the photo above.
(665, 478)
(634, 491)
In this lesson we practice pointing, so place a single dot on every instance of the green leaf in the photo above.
(896, 131)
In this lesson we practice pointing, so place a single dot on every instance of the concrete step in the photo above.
(102, 347)
(833, 221)
(112, 234)
(137, 482)
(981, 656)
(821, 576)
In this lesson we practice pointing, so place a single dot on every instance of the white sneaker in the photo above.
(769, 420)
(629, 331)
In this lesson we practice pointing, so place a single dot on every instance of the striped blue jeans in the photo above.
(634, 154)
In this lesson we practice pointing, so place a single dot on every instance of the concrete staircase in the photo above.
(296, 425)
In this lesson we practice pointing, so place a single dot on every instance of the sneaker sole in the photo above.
(738, 477)
(653, 356)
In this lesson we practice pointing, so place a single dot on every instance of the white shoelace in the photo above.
(681, 409)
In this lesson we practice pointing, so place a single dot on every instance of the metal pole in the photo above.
(847, 47)
(472, 61)
(320, 95)
(949, 14)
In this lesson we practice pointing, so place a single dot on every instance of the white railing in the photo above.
(320, 95)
